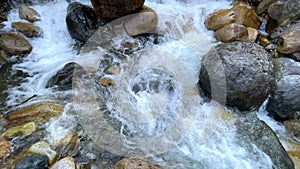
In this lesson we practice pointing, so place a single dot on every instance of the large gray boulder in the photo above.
(285, 11)
(284, 101)
(238, 74)
(251, 130)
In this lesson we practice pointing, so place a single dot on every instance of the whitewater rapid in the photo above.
(211, 143)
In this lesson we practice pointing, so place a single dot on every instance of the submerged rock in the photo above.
(27, 29)
(81, 21)
(232, 32)
(284, 100)
(28, 14)
(141, 23)
(15, 44)
(136, 163)
(39, 113)
(68, 146)
(33, 162)
(251, 129)
(242, 70)
(289, 41)
(4, 148)
(63, 79)
(21, 130)
(116, 8)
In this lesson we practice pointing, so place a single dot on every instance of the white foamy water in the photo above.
(211, 143)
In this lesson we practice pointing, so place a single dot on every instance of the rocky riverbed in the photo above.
(149, 84)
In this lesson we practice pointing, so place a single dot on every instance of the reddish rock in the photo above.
(143, 22)
(232, 32)
(219, 19)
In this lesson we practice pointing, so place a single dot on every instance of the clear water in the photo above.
(208, 142)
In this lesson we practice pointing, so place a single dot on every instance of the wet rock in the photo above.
(21, 130)
(285, 12)
(116, 8)
(33, 162)
(246, 16)
(251, 129)
(219, 19)
(5, 7)
(43, 148)
(293, 126)
(68, 146)
(82, 21)
(63, 79)
(232, 32)
(241, 70)
(4, 148)
(28, 14)
(252, 34)
(27, 29)
(113, 70)
(143, 22)
(263, 5)
(284, 100)
(15, 44)
(136, 163)
(289, 41)
(65, 163)
(3, 18)
(39, 113)
(264, 41)
(107, 82)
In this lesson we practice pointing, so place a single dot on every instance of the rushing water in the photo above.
(210, 141)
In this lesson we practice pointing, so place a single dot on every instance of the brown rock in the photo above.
(293, 126)
(27, 29)
(219, 19)
(295, 156)
(3, 56)
(232, 32)
(106, 82)
(264, 41)
(28, 14)
(4, 148)
(68, 146)
(15, 44)
(39, 113)
(289, 41)
(252, 34)
(65, 163)
(135, 163)
(246, 16)
(21, 130)
(3, 18)
(116, 8)
(143, 22)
